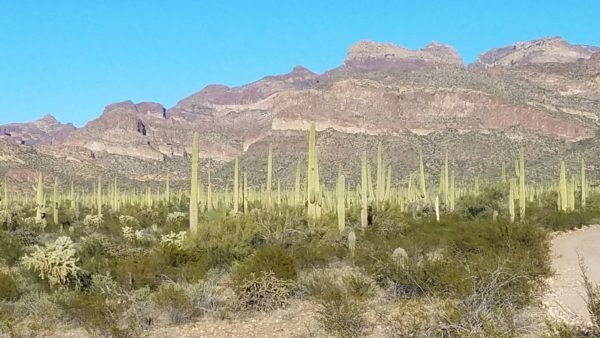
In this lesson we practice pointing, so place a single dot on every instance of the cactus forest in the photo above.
(443, 257)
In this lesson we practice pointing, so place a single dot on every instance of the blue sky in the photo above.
(70, 58)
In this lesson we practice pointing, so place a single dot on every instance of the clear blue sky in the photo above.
(70, 58)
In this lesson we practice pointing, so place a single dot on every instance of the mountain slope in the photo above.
(543, 94)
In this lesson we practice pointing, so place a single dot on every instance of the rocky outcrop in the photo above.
(357, 106)
(46, 130)
(372, 56)
(547, 50)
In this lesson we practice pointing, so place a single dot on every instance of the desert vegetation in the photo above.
(424, 258)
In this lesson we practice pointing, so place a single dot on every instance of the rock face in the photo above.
(46, 130)
(548, 50)
(545, 92)
(372, 56)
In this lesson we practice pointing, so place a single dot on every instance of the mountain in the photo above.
(46, 130)
(547, 50)
(543, 95)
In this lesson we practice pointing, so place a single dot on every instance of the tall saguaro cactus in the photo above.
(236, 187)
(422, 186)
(297, 196)
(39, 199)
(99, 196)
(380, 192)
(194, 188)
(583, 185)
(522, 199)
(5, 196)
(245, 193)
(314, 193)
(363, 192)
(562, 188)
(341, 202)
(270, 177)
(55, 202)
(511, 201)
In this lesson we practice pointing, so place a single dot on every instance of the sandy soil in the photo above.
(566, 299)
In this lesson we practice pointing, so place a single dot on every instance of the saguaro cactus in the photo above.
(314, 190)
(452, 197)
(380, 192)
(99, 196)
(236, 187)
(511, 201)
(352, 243)
(583, 185)
(437, 208)
(297, 195)
(245, 193)
(341, 202)
(168, 190)
(194, 188)
(562, 188)
(5, 197)
(55, 202)
(363, 192)
(270, 177)
(40, 199)
(422, 186)
(522, 198)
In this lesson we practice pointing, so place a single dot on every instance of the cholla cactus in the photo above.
(176, 216)
(34, 223)
(132, 235)
(93, 221)
(128, 221)
(173, 240)
(54, 262)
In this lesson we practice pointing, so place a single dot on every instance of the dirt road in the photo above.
(567, 297)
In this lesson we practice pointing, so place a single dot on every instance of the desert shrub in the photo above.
(263, 292)
(341, 311)
(489, 310)
(98, 314)
(176, 217)
(172, 299)
(563, 330)
(489, 199)
(11, 249)
(267, 259)
(55, 262)
(103, 284)
(10, 218)
(136, 271)
(7, 324)
(8, 287)
(592, 299)
(204, 295)
(474, 247)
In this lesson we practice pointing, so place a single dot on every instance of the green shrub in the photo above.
(11, 249)
(99, 314)
(341, 312)
(173, 299)
(8, 287)
(267, 259)
(136, 271)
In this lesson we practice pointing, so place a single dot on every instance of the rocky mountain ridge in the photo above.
(543, 89)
